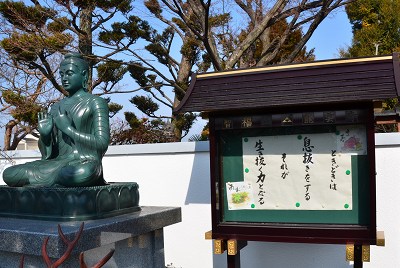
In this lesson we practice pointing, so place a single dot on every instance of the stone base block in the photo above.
(69, 204)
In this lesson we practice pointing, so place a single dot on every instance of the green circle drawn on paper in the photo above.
(246, 139)
(299, 137)
(346, 206)
(348, 172)
(297, 204)
(246, 170)
(253, 206)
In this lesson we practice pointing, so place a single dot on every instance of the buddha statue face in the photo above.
(73, 73)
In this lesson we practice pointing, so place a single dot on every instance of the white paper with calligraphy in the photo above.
(240, 195)
(302, 172)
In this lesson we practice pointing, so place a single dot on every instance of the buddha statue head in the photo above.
(74, 72)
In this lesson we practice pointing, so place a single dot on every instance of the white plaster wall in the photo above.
(176, 177)
(387, 198)
(177, 174)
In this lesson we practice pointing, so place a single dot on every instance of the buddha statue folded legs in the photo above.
(65, 172)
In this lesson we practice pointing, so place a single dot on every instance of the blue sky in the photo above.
(331, 35)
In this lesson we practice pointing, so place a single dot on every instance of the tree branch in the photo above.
(103, 20)
(248, 9)
(254, 34)
(46, 70)
(325, 10)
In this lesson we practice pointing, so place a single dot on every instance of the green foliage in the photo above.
(138, 72)
(182, 85)
(159, 52)
(24, 110)
(376, 27)
(141, 131)
(205, 64)
(36, 32)
(376, 31)
(153, 6)
(59, 25)
(145, 104)
(180, 23)
(114, 108)
(287, 48)
(27, 47)
(26, 51)
(184, 122)
(33, 39)
(56, 42)
(12, 98)
(132, 30)
(113, 36)
(364, 13)
(220, 19)
(25, 17)
(159, 45)
(111, 71)
(122, 5)
(132, 120)
(190, 49)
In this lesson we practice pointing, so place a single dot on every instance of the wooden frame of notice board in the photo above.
(351, 221)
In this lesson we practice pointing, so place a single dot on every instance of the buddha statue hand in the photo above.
(63, 122)
(45, 126)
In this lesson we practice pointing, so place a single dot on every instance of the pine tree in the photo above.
(376, 27)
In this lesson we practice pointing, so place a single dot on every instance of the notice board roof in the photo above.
(319, 82)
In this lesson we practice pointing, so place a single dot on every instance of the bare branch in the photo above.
(255, 33)
(325, 10)
(160, 100)
(103, 20)
(248, 9)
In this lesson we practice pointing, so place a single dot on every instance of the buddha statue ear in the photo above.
(85, 79)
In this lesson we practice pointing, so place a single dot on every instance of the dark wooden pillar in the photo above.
(234, 260)
(358, 263)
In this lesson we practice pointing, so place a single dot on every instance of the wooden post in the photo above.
(234, 260)
(233, 252)
(358, 262)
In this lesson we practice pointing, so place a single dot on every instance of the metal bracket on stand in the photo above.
(232, 246)
(361, 253)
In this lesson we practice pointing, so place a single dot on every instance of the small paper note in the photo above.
(240, 195)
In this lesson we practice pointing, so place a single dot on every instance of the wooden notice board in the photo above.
(292, 150)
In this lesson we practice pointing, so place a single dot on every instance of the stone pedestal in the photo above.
(136, 237)
(69, 203)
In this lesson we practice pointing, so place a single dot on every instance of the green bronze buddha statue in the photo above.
(74, 136)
